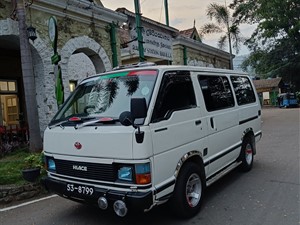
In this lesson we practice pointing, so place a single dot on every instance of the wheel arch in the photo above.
(248, 133)
(192, 156)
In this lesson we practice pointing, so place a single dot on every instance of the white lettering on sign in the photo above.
(156, 44)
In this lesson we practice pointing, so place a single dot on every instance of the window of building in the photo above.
(176, 93)
(243, 90)
(72, 85)
(9, 103)
(8, 86)
(216, 92)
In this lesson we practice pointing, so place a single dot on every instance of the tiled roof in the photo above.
(191, 33)
(267, 83)
(187, 33)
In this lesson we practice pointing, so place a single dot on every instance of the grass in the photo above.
(11, 166)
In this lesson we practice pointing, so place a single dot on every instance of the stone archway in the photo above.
(91, 49)
(45, 81)
(43, 72)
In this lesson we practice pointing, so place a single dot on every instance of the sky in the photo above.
(181, 15)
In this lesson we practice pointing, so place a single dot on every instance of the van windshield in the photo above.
(107, 96)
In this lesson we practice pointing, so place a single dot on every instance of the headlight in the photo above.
(51, 165)
(125, 173)
(138, 173)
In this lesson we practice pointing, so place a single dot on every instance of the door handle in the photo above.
(212, 123)
(198, 122)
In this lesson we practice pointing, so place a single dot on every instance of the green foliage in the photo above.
(298, 96)
(11, 166)
(224, 23)
(34, 160)
(275, 44)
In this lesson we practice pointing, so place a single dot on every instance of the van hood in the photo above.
(114, 142)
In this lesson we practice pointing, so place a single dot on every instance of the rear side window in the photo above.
(176, 93)
(216, 92)
(243, 90)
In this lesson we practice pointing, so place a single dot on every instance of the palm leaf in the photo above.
(218, 12)
(221, 42)
(210, 28)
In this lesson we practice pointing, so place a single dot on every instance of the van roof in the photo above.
(171, 67)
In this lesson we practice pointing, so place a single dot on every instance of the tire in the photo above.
(247, 154)
(188, 193)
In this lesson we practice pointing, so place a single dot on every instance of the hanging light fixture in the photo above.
(31, 33)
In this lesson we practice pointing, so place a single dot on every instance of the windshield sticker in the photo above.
(145, 91)
(130, 73)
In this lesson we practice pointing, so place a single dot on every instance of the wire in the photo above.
(161, 7)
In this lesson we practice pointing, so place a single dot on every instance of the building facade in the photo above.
(83, 43)
(167, 45)
(91, 39)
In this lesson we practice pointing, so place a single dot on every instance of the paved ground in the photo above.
(267, 195)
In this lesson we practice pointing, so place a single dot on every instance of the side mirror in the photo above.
(138, 108)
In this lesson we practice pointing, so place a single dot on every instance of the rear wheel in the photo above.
(187, 197)
(247, 154)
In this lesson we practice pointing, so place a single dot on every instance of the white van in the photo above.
(138, 137)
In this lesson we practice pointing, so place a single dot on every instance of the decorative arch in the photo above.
(90, 48)
(43, 72)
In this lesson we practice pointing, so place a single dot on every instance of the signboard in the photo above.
(156, 44)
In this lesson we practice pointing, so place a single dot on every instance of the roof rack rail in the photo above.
(135, 65)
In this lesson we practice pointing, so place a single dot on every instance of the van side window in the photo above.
(176, 93)
(243, 90)
(216, 92)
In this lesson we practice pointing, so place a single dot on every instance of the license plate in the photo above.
(80, 189)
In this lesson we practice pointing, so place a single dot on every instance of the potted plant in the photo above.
(32, 167)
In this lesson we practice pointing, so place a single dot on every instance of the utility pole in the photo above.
(35, 141)
(139, 29)
(167, 12)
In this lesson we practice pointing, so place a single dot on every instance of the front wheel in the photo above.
(188, 193)
(247, 154)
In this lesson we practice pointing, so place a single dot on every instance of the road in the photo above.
(267, 195)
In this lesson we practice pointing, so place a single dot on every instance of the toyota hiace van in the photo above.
(137, 137)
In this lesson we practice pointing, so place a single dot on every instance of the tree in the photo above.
(275, 44)
(35, 141)
(224, 23)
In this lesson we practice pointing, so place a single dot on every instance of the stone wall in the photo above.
(198, 54)
(11, 193)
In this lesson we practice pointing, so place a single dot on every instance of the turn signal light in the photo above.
(142, 173)
(143, 178)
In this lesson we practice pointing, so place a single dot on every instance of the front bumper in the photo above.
(133, 200)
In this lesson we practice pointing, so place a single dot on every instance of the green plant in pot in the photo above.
(32, 167)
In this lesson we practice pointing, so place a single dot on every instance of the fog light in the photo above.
(102, 203)
(120, 208)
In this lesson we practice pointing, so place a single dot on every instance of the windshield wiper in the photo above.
(98, 120)
(73, 119)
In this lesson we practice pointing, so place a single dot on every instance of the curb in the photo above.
(15, 193)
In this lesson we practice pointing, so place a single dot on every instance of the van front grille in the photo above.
(93, 171)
